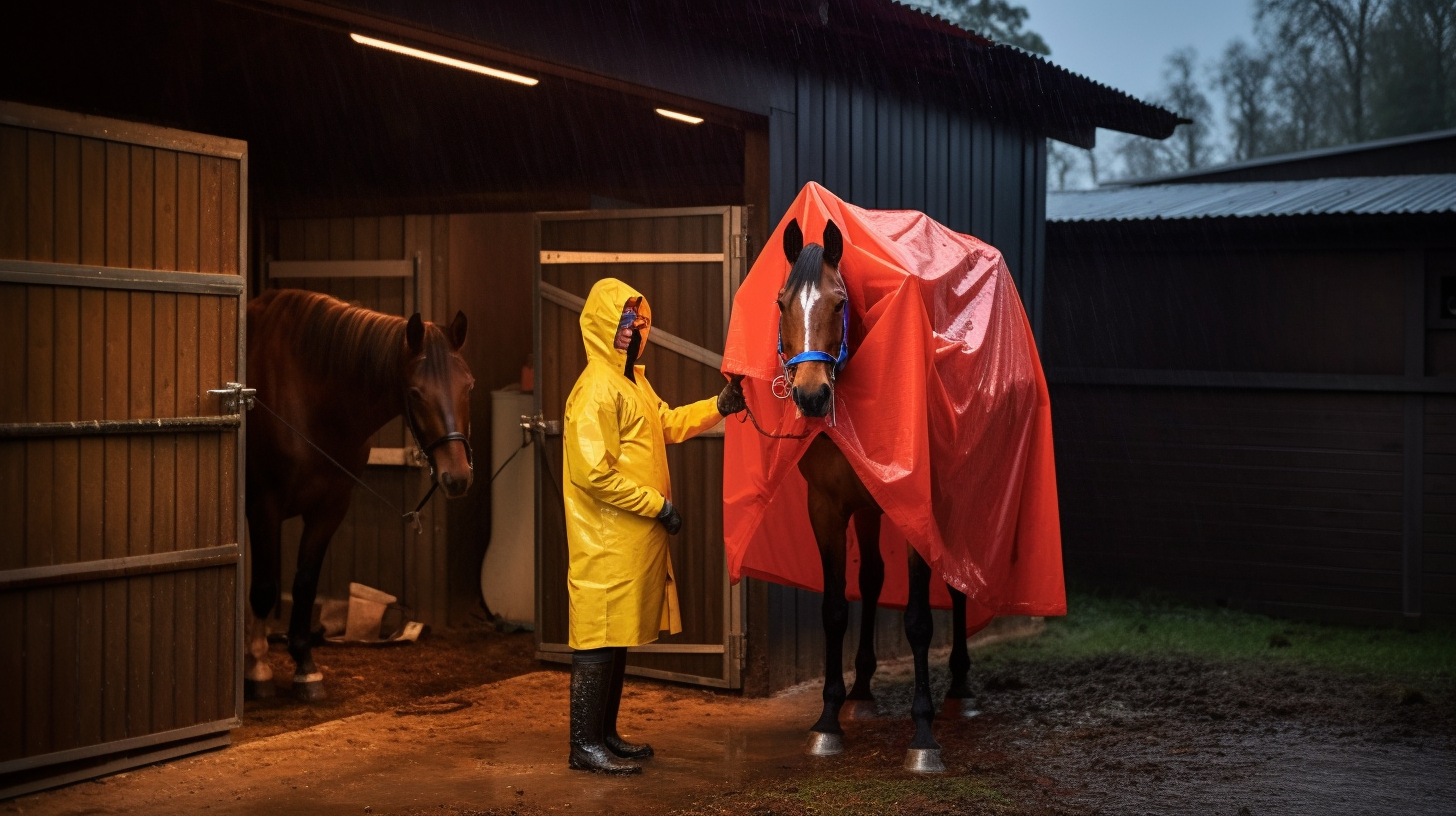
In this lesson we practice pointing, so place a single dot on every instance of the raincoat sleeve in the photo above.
(687, 421)
(593, 443)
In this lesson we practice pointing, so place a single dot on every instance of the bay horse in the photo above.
(813, 348)
(329, 376)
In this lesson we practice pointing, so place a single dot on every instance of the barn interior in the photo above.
(357, 153)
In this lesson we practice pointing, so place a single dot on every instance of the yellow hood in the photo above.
(599, 319)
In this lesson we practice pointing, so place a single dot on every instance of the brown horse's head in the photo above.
(437, 400)
(812, 310)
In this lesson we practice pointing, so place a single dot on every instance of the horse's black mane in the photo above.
(807, 270)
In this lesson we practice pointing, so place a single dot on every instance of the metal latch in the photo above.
(234, 393)
(736, 652)
(532, 425)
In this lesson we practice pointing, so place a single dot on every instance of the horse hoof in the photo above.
(924, 760)
(860, 710)
(822, 744)
(258, 689)
(309, 690)
(959, 708)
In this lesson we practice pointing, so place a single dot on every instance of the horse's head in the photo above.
(437, 400)
(813, 319)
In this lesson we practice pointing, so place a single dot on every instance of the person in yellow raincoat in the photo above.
(619, 514)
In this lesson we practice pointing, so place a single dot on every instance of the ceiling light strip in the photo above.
(444, 60)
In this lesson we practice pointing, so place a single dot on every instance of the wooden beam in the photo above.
(656, 336)
(559, 257)
(341, 269)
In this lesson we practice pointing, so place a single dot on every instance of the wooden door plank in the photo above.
(12, 365)
(118, 205)
(91, 478)
(185, 655)
(38, 668)
(41, 208)
(164, 210)
(163, 667)
(12, 683)
(68, 199)
(116, 465)
(14, 167)
(93, 202)
(209, 215)
(208, 482)
(189, 182)
(143, 205)
(228, 648)
(228, 199)
(207, 612)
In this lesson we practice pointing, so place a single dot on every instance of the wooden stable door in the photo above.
(120, 502)
(688, 263)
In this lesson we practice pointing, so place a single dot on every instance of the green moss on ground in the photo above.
(1099, 624)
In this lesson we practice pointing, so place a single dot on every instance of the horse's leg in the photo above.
(959, 702)
(871, 580)
(924, 753)
(319, 525)
(265, 530)
(830, 522)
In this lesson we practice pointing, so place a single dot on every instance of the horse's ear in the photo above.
(414, 333)
(457, 331)
(793, 241)
(833, 245)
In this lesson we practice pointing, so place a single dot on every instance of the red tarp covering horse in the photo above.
(941, 410)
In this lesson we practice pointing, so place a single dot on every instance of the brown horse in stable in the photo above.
(328, 376)
(814, 346)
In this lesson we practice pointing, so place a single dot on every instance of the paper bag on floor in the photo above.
(361, 619)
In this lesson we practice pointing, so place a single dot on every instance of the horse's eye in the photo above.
(780, 304)
(839, 307)
(416, 393)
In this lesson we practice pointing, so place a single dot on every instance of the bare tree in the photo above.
(1343, 28)
(1413, 68)
(1182, 94)
(1244, 75)
(998, 20)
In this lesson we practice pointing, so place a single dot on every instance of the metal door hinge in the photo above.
(738, 244)
(737, 650)
(233, 394)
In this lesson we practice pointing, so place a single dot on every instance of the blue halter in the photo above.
(819, 356)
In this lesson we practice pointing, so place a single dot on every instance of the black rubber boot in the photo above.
(614, 742)
(591, 685)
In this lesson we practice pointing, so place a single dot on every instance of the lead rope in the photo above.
(413, 516)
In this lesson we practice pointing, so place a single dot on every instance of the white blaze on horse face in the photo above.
(809, 296)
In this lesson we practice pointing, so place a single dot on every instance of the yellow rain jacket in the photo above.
(620, 575)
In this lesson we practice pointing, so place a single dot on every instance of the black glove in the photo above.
(670, 518)
(730, 399)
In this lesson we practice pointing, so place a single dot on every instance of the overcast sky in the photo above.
(1122, 43)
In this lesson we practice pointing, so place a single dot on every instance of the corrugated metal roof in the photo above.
(1372, 195)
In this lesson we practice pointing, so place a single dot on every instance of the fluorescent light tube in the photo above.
(681, 117)
(444, 60)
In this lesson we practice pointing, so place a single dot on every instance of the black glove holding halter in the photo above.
(670, 518)
(730, 399)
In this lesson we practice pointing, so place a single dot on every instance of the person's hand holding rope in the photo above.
(730, 399)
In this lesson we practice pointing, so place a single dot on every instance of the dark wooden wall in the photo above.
(1256, 414)
(93, 655)
(881, 150)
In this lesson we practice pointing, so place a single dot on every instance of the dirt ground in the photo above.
(429, 733)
